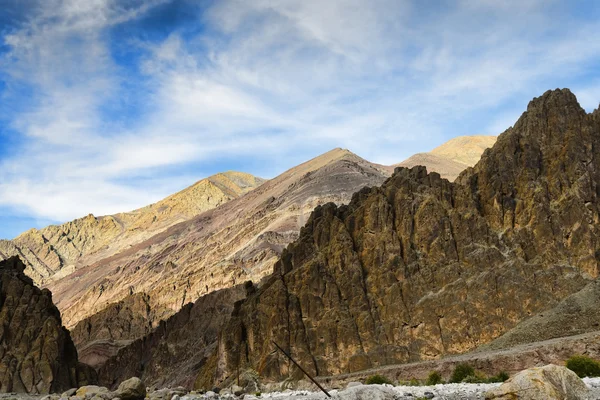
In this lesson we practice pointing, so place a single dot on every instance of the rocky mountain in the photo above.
(220, 248)
(58, 250)
(452, 157)
(174, 352)
(420, 267)
(36, 351)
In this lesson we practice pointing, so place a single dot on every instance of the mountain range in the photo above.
(114, 278)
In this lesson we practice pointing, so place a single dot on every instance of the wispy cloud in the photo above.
(105, 94)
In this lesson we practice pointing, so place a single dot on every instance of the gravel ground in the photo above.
(452, 391)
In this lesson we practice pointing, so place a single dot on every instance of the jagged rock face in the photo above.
(100, 336)
(174, 352)
(57, 251)
(36, 351)
(220, 248)
(421, 267)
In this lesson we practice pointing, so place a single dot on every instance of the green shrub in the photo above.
(461, 371)
(377, 380)
(584, 366)
(476, 377)
(434, 378)
(501, 377)
(414, 382)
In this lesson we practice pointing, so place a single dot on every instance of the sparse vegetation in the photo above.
(461, 371)
(414, 382)
(501, 377)
(434, 378)
(377, 380)
(583, 366)
(475, 377)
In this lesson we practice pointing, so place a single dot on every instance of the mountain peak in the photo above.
(554, 99)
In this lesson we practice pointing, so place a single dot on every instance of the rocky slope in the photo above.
(57, 251)
(100, 336)
(420, 267)
(36, 351)
(220, 248)
(452, 157)
(577, 314)
(173, 354)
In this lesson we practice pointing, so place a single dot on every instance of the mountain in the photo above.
(36, 351)
(220, 248)
(420, 267)
(452, 157)
(58, 250)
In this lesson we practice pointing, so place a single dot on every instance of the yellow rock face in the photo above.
(59, 250)
(452, 157)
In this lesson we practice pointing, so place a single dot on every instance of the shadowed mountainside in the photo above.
(36, 351)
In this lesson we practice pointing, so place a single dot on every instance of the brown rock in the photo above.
(175, 351)
(36, 351)
(550, 382)
(420, 267)
(131, 389)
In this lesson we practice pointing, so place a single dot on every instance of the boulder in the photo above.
(368, 392)
(543, 383)
(131, 389)
(91, 391)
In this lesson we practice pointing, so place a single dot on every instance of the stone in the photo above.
(550, 382)
(91, 390)
(131, 389)
(428, 395)
(69, 393)
(237, 390)
(368, 392)
(37, 354)
(353, 384)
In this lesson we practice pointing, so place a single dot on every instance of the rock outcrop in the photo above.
(550, 382)
(173, 354)
(452, 157)
(220, 248)
(36, 351)
(420, 267)
(100, 336)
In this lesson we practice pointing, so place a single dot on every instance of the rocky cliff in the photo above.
(58, 250)
(421, 267)
(101, 336)
(220, 248)
(173, 354)
(36, 351)
(452, 157)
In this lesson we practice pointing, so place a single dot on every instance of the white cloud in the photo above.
(271, 81)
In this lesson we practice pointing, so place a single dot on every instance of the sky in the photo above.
(110, 105)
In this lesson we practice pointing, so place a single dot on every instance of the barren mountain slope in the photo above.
(220, 248)
(575, 315)
(421, 267)
(56, 251)
(452, 157)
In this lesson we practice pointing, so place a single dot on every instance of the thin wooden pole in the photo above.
(301, 369)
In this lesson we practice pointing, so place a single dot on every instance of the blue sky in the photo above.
(109, 105)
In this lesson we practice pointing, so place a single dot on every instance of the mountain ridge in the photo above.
(421, 267)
